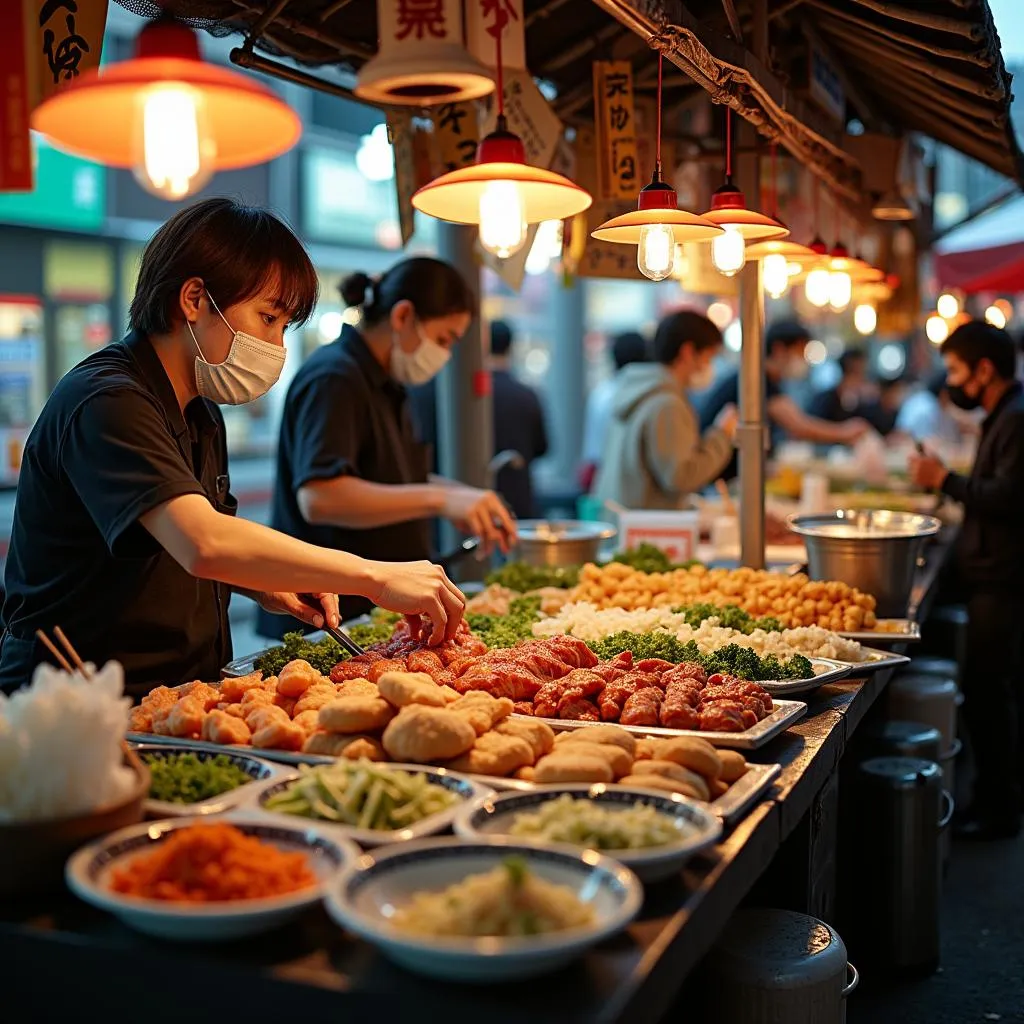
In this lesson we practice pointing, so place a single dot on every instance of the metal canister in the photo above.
(894, 877)
(776, 965)
(926, 697)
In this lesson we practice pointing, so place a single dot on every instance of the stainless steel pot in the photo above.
(546, 542)
(872, 549)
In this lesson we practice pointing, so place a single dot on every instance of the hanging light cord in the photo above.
(500, 71)
(775, 180)
(657, 158)
(728, 144)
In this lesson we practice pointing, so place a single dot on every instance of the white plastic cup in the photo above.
(814, 494)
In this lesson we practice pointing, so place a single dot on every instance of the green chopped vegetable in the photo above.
(521, 577)
(187, 779)
(322, 654)
(507, 630)
(364, 795)
(648, 558)
(733, 659)
(516, 869)
(729, 615)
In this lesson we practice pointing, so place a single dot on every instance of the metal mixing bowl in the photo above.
(875, 550)
(547, 542)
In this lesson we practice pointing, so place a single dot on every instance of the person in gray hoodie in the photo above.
(655, 456)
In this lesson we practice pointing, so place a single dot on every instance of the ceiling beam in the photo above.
(915, 16)
(733, 18)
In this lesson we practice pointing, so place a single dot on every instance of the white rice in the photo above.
(60, 745)
(588, 622)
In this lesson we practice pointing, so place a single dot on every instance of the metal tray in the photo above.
(731, 807)
(834, 671)
(785, 714)
(877, 660)
(901, 631)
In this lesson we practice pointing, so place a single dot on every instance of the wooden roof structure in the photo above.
(931, 66)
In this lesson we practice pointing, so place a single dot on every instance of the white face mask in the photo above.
(703, 378)
(425, 362)
(251, 369)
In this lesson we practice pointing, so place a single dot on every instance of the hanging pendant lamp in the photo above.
(740, 224)
(169, 115)
(657, 225)
(501, 192)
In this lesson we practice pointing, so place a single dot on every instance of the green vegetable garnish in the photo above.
(187, 779)
(522, 577)
(648, 558)
(507, 630)
(516, 869)
(323, 654)
(729, 615)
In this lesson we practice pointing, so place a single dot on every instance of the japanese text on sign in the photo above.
(63, 47)
(617, 174)
(66, 39)
(530, 117)
(455, 135)
(421, 19)
(485, 21)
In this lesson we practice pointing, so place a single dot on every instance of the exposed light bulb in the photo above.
(936, 329)
(775, 275)
(656, 252)
(816, 287)
(995, 316)
(174, 151)
(947, 305)
(502, 218)
(681, 263)
(840, 290)
(865, 318)
(729, 251)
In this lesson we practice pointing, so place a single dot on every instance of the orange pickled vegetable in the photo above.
(208, 863)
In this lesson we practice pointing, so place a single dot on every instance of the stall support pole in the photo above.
(565, 400)
(750, 434)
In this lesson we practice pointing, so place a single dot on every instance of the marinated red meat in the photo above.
(642, 680)
(726, 716)
(583, 679)
(613, 697)
(425, 661)
(377, 669)
(686, 670)
(683, 691)
(741, 690)
(524, 707)
(354, 668)
(545, 700)
(674, 715)
(578, 709)
(642, 708)
(656, 665)
(608, 672)
(623, 660)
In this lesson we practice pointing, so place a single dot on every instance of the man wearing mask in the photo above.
(784, 360)
(989, 566)
(655, 455)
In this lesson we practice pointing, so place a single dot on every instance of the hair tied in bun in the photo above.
(357, 289)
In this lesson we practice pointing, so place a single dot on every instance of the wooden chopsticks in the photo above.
(75, 664)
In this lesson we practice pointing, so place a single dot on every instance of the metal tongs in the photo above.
(339, 636)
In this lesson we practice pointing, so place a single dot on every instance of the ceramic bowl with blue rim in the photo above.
(258, 770)
(694, 827)
(367, 895)
(467, 790)
(88, 874)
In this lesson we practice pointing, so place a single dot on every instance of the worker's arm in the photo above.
(680, 459)
(799, 426)
(210, 545)
(357, 504)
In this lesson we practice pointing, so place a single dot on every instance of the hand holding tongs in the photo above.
(339, 636)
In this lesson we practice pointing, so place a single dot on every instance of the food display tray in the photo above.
(730, 807)
(785, 714)
(877, 660)
(895, 631)
(832, 671)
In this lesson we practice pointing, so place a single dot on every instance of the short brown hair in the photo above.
(235, 249)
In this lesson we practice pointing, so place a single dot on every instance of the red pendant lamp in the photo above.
(657, 225)
(501, 192)
(168, 114)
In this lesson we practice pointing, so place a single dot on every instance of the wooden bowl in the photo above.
(33, 853)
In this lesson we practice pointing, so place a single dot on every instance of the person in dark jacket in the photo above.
(980, 366)
(518, 424)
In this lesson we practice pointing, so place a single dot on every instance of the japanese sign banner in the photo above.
(66, 39)
(15, 148)
(615, 119)
(400, 129)
(456, 133)
(485, 19)
(418, 21)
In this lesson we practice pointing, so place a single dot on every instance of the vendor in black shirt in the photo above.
(980, 366)
(124, 530)
(351, 473)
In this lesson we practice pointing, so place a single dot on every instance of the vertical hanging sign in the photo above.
(15, 147)
(400, 132)
(485, 20)
(66, 39)
(615, 119)
(456, 133)
(417, 21)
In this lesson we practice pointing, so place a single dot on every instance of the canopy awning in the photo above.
(986, 255)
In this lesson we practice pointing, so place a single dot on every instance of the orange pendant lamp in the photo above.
(740, 224)
(501, 192)
(169, 115)
(657, 225)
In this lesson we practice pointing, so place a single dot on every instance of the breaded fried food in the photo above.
(160, 697)
(356, 714)
(619, 761)
(308, 721)
(140, 719)
(402, 688)
(661, 782)
(286, 704)
(569, 767)
(358, 687)
(421, 734)
(185, 718)
(262, 715)
(280, 736)
(233, 690)
(296, 678)
(235, 710)
(335, 744)
(315, 698)
(691, 752)
(451, 695)
(494, 754)
(539, 735)
(256, 697)
(527, 773)
(675, 772)
(159, 720)
(734, 765)
(203, 693)
(481, 710)
(220, 727)
(600, 734)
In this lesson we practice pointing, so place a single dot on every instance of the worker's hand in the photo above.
(419, 590)
(927, 471)
(854, 429)
(482, 514)
(311, 608)
(727, 420)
